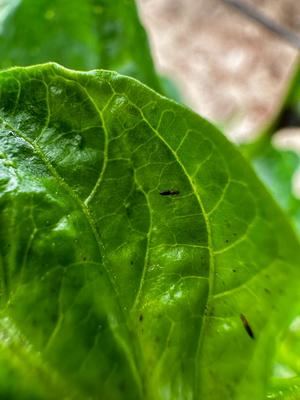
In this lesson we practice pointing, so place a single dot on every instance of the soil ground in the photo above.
(228, 68)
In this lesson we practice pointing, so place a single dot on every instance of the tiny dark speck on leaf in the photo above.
(170, 192)
(247, 327)
(141, 317)
(234, 270)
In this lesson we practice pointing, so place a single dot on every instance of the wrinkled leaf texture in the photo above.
(138, 248)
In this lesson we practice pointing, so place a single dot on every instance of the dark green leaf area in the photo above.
(84, 35)
(108, 287)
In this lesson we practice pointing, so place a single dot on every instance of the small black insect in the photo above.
(170, 192)
(247, 327)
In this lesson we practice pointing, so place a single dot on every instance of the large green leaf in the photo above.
(141, 258)
(82, 34)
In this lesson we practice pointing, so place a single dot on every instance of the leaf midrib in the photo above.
(210, 247)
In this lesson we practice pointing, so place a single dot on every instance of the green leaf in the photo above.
(141, 258)
(84, 34)
(276, 168)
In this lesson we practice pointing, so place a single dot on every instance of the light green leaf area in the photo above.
(284, 389)
(276, 168)
(83, 34)
(141, 258)
(285, 384)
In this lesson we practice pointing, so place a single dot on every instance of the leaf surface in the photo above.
(141, 258)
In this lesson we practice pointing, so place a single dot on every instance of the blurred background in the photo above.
(227, 67)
